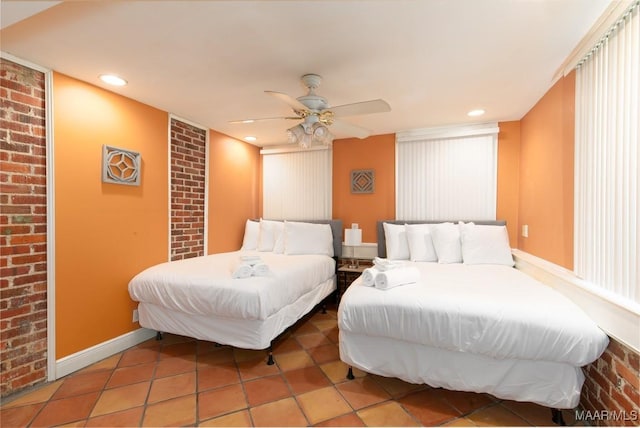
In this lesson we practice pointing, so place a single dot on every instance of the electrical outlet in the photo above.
(135, 316)
(525, 230)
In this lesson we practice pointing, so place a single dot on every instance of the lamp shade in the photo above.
(352, 236)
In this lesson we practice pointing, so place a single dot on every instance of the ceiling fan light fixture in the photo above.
(305, 134)
(306, 141)
(317, 116)
(295, 134)
(321, 134)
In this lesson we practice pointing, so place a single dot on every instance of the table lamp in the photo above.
(353, 238)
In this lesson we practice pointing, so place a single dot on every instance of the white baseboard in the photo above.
(618, 318)
(86, 357)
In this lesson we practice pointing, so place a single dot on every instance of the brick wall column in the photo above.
(23, 228)
(188, 161)
(611, 392)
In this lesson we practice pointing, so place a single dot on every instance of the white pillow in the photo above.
(421, 247)
(251, 235)
(396, 241)
(485, 244)
(278, 246)
(446, 240)
(270, 231)
(308, 238)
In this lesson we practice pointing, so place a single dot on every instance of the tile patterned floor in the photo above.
(184, 382)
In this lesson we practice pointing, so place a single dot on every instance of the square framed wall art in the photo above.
(362, 181)
(120, 166)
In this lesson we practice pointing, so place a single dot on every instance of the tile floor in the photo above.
(185, 382)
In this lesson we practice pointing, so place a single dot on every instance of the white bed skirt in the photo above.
(556, 385)
(241, 333)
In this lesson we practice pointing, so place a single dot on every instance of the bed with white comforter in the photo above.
(472, 327)
(199, 298)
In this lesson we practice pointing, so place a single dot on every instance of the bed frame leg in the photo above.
(324, 308)
(350, 375)
(159, 335)
(270, 361)
(556, 417)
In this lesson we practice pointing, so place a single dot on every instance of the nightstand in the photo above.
(346, 275)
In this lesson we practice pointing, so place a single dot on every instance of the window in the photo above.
(606, 161)
(447, 173)
(297, 184)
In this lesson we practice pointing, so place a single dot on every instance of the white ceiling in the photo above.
(210, 61)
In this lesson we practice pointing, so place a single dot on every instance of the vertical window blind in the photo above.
(450, 176)
(607, 185)
(297, 185)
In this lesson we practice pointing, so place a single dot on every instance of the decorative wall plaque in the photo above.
(362, 181)
(120, 166)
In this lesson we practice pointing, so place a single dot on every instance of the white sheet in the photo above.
(491, 310)
(203, 285)
(243, 333)
(551, 384)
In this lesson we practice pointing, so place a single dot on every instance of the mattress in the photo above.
(203, 285)
(547, 383)
(490, 310)
(242, 333)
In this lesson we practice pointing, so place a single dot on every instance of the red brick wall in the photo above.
(611, 392)
(187, 190)
(23, 228)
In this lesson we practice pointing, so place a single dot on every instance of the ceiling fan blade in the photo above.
(262, 119)
(290, 101)
(365, 107)
(349, 129)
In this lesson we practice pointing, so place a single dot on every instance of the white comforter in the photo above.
(203, 285)
(490, 310)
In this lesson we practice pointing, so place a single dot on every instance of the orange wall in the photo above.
(377, 153)
(508, 177)
(546, 175)
(105, 233)
(234, 190)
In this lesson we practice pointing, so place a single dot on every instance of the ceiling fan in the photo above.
(316, 115)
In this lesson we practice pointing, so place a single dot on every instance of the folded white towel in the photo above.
(251, 259)
(386, 264)
(260, 269)
(369, 276)
(396, 277)
(241, 270)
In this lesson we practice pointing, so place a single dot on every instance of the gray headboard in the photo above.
(336, 229)
(382, 243)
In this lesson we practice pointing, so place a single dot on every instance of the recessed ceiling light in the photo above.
(112, 79)
(248, 121)
(250, 138)
(474, 113)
